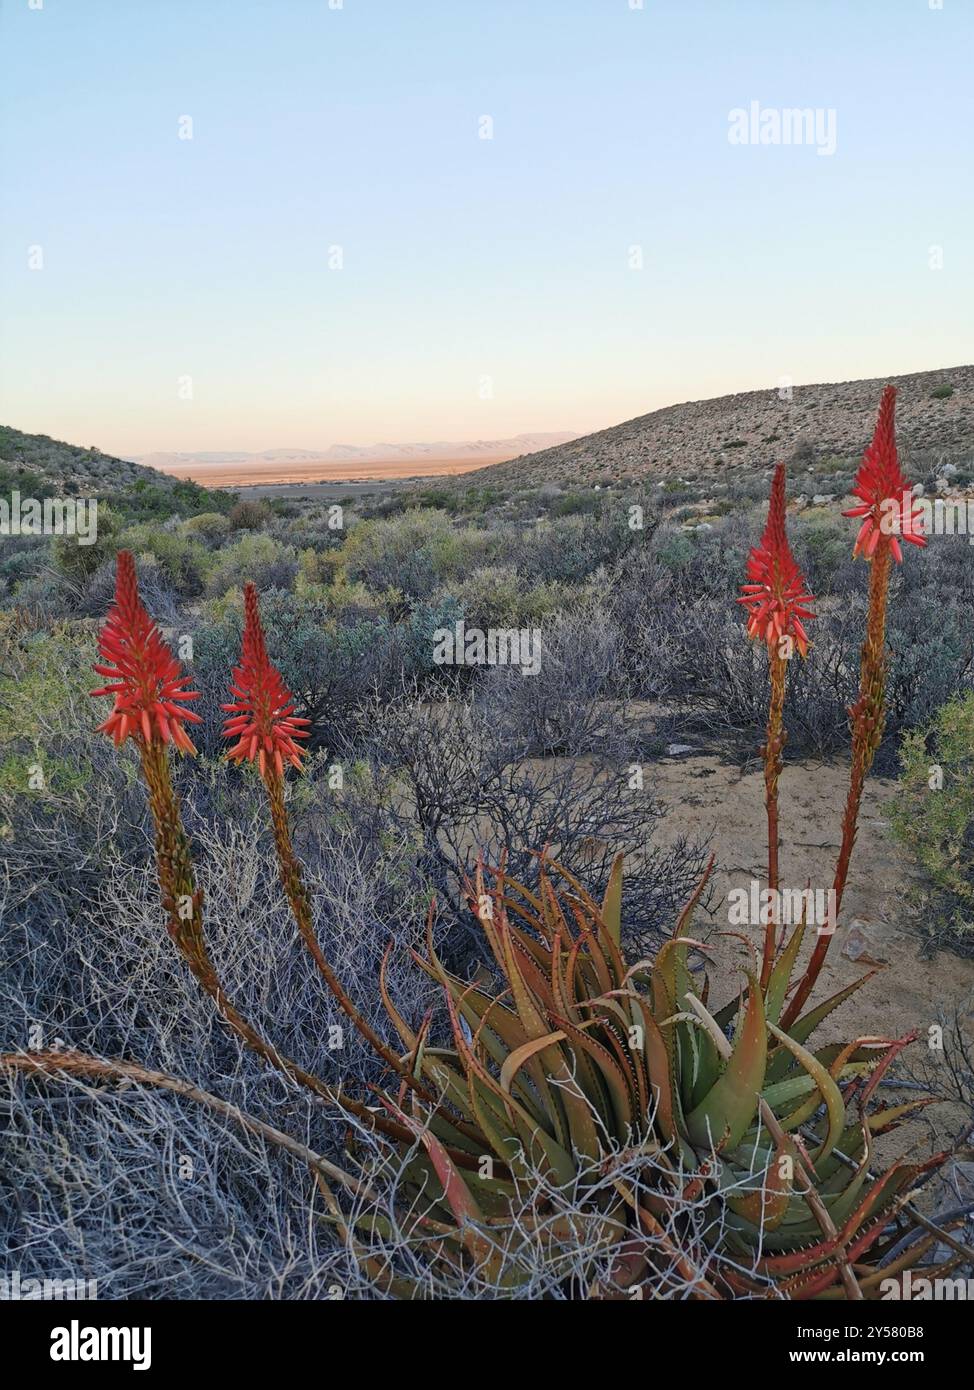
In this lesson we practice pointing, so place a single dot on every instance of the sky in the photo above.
(255, 224)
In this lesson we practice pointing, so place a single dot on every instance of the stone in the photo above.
(861, 945)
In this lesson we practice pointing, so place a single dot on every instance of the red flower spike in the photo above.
(775, 593)
(261, 717)
(888, 505)
(147, 682)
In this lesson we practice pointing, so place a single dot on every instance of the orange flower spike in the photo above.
(889, 511)
(147, 681)
(887, 504)
(262, 718)
(775, 597)
(265, 727)
(775, 593)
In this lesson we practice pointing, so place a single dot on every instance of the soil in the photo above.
(722, 804)
(272, 475)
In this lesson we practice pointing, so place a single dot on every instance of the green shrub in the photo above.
(941, 393)
(209, 525)
(183, 560)
(477, 500)
(674, 550)
(266, 561)
(497, 596)
(823, 544)
(42, 675)
(444, 498)
(933, 815)
(414, 552)
(144, 500)
(249, 516)
(570, 549)
(341, 597)
(576, 504)
(285, 506)
(78, 562)
(14, 477)
(334, 662)
(16, 566)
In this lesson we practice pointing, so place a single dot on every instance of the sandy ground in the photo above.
(718, 803)
(232, 475)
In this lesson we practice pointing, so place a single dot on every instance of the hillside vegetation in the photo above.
(734, 436)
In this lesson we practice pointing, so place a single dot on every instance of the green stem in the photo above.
(297, 896)
(773, 763)
(183, 903)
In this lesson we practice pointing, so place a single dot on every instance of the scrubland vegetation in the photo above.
(415, 772)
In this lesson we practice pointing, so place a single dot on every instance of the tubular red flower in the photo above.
(262, 718)
(775, 593)
(887, 502)
(147, 682)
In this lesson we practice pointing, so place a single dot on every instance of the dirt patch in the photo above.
(724, 805)
(285, 474)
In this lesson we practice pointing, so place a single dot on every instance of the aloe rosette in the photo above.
(577, 1061)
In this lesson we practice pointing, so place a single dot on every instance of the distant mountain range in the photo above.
(720, 439)
(345, 459)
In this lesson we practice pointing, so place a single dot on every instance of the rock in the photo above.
(942, 485)
(949, 470)
(703, 526)
(676, 750)
(820, 498)
(860, 944)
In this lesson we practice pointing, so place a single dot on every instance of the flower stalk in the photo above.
(888, 512)
(262, 720)
(775, 598)
(147, 683)
(773, 764)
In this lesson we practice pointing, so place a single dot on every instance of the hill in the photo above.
(38, 466)
(736, 436)
(71, 467)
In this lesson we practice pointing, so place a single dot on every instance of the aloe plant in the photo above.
(576, 1063)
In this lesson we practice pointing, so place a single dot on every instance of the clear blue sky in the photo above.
(466, 258)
